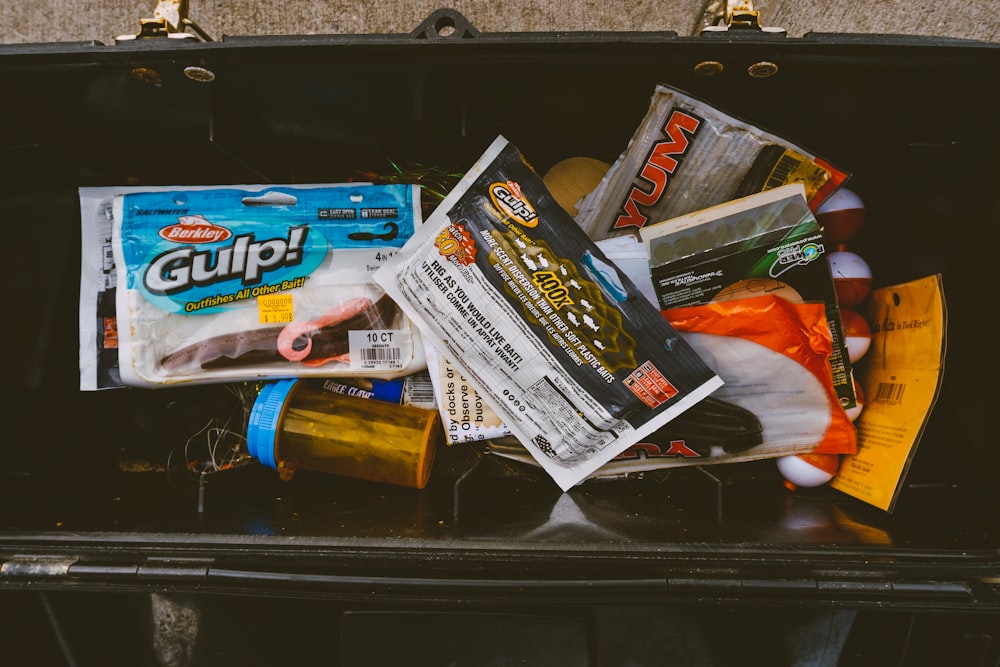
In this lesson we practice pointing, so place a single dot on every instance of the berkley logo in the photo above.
(509, 198)
(194, 229)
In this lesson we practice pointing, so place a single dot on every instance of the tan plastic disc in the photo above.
(572, 179)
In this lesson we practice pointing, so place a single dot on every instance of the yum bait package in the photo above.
(686, 155)
(231, 284)
(560, 342)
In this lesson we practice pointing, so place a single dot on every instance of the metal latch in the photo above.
(729, 15)
(170, 20)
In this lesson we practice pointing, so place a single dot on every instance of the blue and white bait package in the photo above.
(237, 283)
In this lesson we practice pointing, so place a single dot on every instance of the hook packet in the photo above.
(687, 155)
(571, 355)
(231, 284)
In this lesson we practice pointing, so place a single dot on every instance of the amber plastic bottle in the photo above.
(296, 424)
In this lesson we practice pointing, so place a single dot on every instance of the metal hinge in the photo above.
(35, 567)
(170, 20)
(731, 15)
(175, 569)
(881, 590)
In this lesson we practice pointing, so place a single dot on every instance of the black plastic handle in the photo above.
(445, 23)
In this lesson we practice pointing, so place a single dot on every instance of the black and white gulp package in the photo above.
(560, 342)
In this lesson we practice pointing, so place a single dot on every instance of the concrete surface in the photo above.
(25, 21)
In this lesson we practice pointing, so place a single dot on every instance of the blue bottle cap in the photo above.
(265, 416)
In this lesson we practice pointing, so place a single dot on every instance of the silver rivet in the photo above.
(199, 74)
(762, 70)
(708, 68)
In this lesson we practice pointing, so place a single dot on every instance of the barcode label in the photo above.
(779, 175)
(418, 390)
(379, 350)
(889, 392)
(379, 355)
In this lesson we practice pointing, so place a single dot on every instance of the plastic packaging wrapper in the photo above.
(713, 431)
(574, 358)
(687, 155)
(765, 243)
(772, 354)
(901, 376)
(98, 281)
(466, 415)
(99, 278)
(227, 284)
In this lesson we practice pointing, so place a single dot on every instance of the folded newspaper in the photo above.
(562, 344)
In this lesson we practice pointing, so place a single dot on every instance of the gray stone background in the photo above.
(26, 21)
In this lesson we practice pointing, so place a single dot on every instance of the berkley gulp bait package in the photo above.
(98, 319)
(687, 155)
(561, 344)
(230, 284)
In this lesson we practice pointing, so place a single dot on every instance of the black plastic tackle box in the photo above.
(92, 511)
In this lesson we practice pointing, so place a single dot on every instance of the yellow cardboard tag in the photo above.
(900, 379)
(275, 308)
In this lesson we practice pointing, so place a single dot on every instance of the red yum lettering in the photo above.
(649, 450)
(679, 448)
(662, 162)
(642, 450)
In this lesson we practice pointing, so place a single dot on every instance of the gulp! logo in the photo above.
(245, 259)
(663, 160)
(508, 198)
(194, 229)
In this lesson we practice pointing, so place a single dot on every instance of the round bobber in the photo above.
(855, 412)
(842, 215)
(808, 470)
(852, 277)
(857, 334)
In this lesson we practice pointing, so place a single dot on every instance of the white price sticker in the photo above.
(380, 349)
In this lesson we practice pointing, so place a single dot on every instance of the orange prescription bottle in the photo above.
(297, 424)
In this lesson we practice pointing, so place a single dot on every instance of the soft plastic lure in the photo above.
(311, 343)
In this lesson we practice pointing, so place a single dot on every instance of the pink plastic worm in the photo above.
(296, 330)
